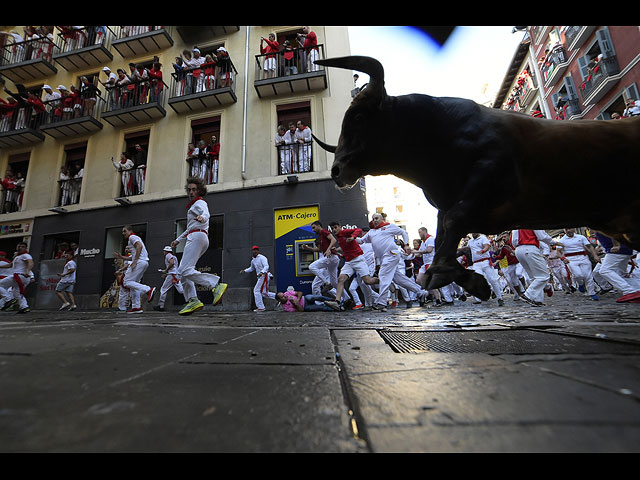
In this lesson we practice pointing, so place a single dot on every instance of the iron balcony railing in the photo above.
(295, 158)
(132, 180)
(288, 62)
(605, 68)
(121, 32)
(11, 198)
(205, 168)
(69, 191)
(18, 52)
(556, 57)
(71, 38)
(132, 94)
(206, 78)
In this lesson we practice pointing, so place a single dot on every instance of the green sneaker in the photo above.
(218, 292)
(192, 305)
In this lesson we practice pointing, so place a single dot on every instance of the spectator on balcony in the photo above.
(74, 93)
(140, 164)
(7, 110)
(11, 192)
(195, 65)
(21, 109)
(32, 43)
(65, 186)
(201, 165)
(310, 46)
(179, 75)
(188, 78)
(66, 102)
(76, 182)
(632, 108)
(192, 157)
(209, 71)
(225, 77)
(140, 77)
(290, 60)
(270, 51)
(290, 139)
(37, 110)
(14, 46)
(303, 139)
(123, 90)
(89, 94)
(213, 155)
(155, 74)
(125, 167)
(50, 100)
(110, 87)
(284, 152)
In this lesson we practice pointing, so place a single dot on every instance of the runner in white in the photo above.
(480, 246)
(576, 250)
(197, 237)
(22, 276)
(260, 265)
(135, 271)
(171, 279)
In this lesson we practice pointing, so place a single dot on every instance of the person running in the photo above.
(480, 246)
(197, 242)
(64, 288)
(260, 265)
(135, 271)
(576, 250)
(326, 267)
(382, 238)
(22, 276)
(170, 274)
(355, 263)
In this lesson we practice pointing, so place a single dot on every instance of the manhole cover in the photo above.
(500, 342)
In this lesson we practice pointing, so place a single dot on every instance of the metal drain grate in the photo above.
(500, 342)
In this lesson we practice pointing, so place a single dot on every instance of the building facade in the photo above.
(573, 73)
(87, 165)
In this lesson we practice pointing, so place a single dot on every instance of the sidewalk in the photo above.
(467, 378)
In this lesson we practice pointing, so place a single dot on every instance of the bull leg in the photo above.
(446, 269)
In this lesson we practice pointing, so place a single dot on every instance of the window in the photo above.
(13, 182)
(294, 141)
(53, 246)
(71, 174)
(205, 140)
(136, 149)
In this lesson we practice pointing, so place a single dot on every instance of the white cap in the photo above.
(221, 49)
(61, 87)
(47, 86)
(167, 249)
(106, 69)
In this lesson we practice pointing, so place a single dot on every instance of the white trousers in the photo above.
(389, 274)
(10, 283)
(132, 279)
(261, 290)
(613, 269)
(197, 244)
(511, 276)
(326, 269)
(581, 270)
(166, 286)
(485, 269)
(536, 267)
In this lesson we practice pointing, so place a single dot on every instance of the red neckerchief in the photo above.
(192, 202)
(380, 225)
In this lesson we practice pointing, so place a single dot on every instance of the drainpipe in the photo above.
(244, 108)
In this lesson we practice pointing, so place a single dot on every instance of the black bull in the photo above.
(489, 170)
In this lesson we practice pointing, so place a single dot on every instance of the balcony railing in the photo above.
(576, 36)
(11, 199)
(602, 72)
(209, 86)
(133, 181)
(295, 158)
(84, 47)
(569, 109)
(27, 61)
(289, 71)
(69, 118)
(207, 169)
(20, 123)
(69, 191)
(134, 102)
(554, 66)
(133, 41)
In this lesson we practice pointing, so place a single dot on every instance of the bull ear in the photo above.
(328, 148)
(368, 65)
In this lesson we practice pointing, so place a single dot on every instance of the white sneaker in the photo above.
(260, 310)
(64, 306)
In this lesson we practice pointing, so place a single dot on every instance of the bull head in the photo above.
(362, 123)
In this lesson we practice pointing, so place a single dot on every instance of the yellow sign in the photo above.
(288, 219)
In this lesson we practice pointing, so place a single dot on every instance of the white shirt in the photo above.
(541, 235)
(133, 239)
(383, 241)
(123, 166)
(427, 258)
(303, 134)
(21, 262)
(167, 261)
(71, 278)
(6, 272)
(259, 264)
(199, 208)
(476, 245)
(574, 244)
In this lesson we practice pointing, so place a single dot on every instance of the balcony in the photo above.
(577, 36)
(212, 87)
(199, 33)
(84, 118)
(135, 103)
(294, 73)
(134, 41)
(295, 158)
(20, 126)
(133, 180)
(25, 62)
(601, 80)
(568, 110)
(555, 66)
(84, 48)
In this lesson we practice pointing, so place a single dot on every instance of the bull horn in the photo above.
(368, 65)
(327, 147)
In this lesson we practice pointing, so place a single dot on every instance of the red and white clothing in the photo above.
(311, 49)
(133, 276)
(389, 254)
(326, 267)
(482, 263)
(18, 281)
(197, 238)
(355, 263)
(427, 256)
(527, 245)
(260, 265)
(171, 280)
(579, 264)
(125, 167)
(270, 50)
(303, 139)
